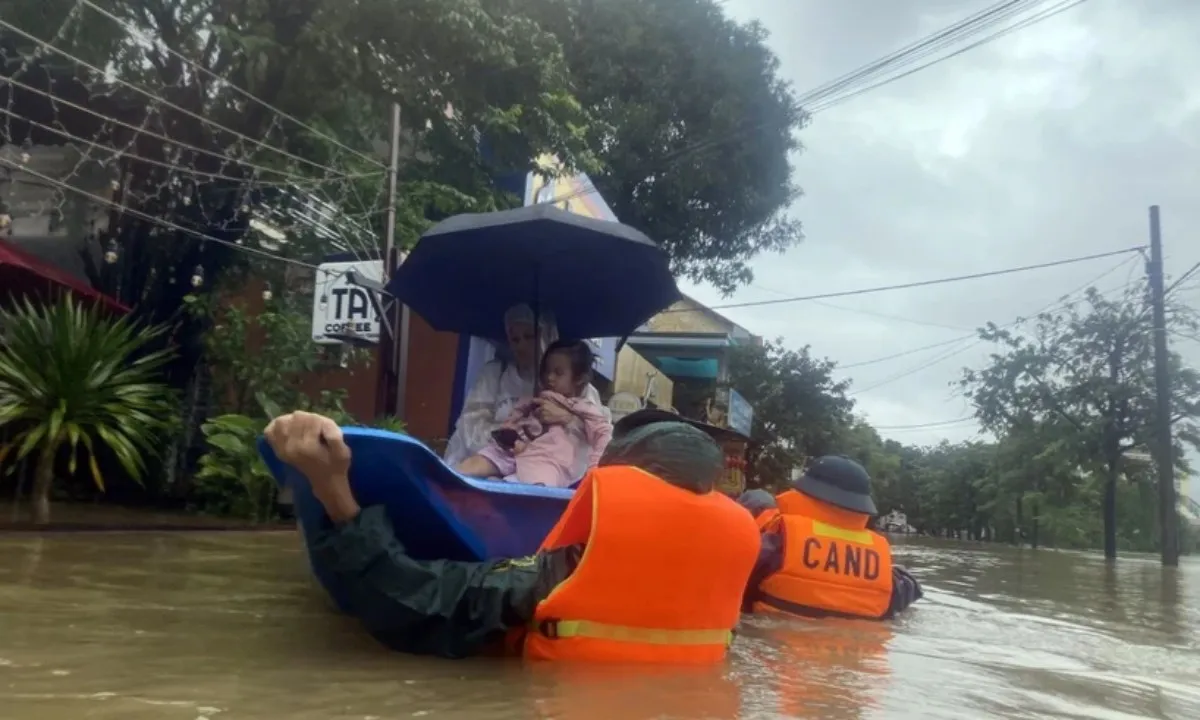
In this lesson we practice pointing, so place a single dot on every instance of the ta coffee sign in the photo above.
(340, 308)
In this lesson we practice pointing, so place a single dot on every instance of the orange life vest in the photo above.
(832, 565)
(661, 578)
(768, 519)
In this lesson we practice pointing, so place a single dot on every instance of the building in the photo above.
(690, 345)
(895, 522)
(55, 223)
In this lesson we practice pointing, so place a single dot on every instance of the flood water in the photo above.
(227, 626)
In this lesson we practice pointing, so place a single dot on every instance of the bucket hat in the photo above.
(839, 481)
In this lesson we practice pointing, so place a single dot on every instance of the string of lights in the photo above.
(295, 195)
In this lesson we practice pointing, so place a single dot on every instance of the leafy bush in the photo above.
(74, 378)
(233, 479)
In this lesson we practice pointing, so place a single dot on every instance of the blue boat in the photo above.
(437, 513)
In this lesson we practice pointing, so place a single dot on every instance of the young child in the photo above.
(523, 450)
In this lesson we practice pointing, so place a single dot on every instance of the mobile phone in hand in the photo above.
(506, 438)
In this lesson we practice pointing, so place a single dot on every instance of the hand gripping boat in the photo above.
(436, 513)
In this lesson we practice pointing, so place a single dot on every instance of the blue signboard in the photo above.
(606, 356)
(741, 414)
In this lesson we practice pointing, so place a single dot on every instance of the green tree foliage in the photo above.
(676, 110)
(233, 479)
(77, 382)
(1063, 404)
(799, 409)
(695, 127)
(1078, 393)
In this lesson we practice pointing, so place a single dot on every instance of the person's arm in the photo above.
(770, 554)
(523, 408)
(475, 423)
(905, 591)
(439, 607)
(436, 607)
(770, 561)
(597, 428)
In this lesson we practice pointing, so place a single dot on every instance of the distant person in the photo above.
(648, 563)
(525, 450)
(818, 557)
(504, 382)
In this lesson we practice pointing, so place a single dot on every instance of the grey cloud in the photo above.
(1046, 144)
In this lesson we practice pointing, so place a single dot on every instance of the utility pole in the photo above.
(1164, 440)
(389, 387)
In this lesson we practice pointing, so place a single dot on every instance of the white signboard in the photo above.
(340, 308)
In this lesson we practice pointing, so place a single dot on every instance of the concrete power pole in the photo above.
(1164, 439)
(393, 346)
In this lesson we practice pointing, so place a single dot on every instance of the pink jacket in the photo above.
(595, 428)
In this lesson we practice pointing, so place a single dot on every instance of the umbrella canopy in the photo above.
(599, 278)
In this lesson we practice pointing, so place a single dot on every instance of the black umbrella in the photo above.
(599, 278)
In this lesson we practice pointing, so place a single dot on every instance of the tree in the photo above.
(74, 380)
(695, 127)
(799, 409)
(189, 153)
(1081, 385)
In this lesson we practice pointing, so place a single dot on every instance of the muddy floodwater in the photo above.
(228, 626)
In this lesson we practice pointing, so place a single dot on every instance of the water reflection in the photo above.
(229, 625)
(826, 669)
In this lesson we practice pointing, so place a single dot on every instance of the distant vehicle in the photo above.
(896, 522)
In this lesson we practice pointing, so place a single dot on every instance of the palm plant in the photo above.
(74, 378)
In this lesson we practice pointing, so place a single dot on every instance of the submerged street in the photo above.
(229, 626)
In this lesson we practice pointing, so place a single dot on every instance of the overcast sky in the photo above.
(1048, 143)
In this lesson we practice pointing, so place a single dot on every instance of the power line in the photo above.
(913, 351)
(869, 313)
(914, 371)
(971, 25)
(293, 177)
(1044, 15)
(1062, 302)
(888, 316)
(145, 38)
(922, 426)
(172, 166)
(923, 283)
(916, 50)
(302, 183)
(975, 335)
(146, 93)
(1182, 278)
(150, 218)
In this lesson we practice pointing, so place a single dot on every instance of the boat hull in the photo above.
(435, 512)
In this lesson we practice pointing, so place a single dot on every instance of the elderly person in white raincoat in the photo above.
(502, 383)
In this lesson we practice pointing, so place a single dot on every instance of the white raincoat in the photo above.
(497, 389)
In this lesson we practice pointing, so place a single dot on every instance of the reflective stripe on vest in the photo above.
(832, 565)
(622, 633)
(648, 588)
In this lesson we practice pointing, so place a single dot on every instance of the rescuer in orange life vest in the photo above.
(647, 564)
(818, 558)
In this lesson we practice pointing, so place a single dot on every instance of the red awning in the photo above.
(21, 272)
